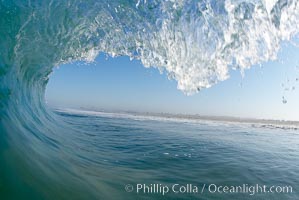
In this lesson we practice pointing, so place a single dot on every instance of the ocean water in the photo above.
(102, 153)
(55, 155)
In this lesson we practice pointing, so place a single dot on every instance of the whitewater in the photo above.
(60, 155)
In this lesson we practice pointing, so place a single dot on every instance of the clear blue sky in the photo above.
(121, 84)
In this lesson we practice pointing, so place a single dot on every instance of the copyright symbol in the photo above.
(129, 188)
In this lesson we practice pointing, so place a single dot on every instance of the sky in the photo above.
(267, 91)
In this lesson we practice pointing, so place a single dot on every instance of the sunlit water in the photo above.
(110, 151)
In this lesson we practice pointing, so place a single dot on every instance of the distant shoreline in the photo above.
(197, 118)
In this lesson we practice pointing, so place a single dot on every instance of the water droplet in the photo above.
(284, 101)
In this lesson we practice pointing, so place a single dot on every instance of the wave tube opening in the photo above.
(194, 42)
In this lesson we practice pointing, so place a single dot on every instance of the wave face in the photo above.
(194, 42)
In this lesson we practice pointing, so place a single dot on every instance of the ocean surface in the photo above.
(103, 154)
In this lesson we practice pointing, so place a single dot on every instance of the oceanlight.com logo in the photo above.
(163, 189)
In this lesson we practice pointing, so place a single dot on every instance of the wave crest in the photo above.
(195, 42)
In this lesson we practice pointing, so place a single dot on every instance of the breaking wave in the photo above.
(196, 42)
